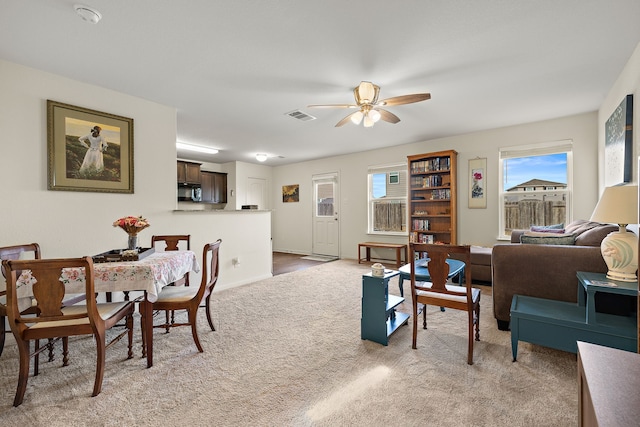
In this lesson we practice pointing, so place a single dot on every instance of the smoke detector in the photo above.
(87, 13)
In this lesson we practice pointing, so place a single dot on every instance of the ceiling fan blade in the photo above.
(346, 119)
(332, 106)
(405, 99)
(388, 116)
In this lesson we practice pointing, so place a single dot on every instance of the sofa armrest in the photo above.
(543, 271)
(515, 235)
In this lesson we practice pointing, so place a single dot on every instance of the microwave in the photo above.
(189, 194)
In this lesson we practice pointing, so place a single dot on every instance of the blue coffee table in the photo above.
(456, 268)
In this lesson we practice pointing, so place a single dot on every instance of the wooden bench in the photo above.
(397, 246)
(560, 324)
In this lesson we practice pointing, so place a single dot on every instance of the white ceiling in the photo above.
(234, 68)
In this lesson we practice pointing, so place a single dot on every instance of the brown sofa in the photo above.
(544, 270)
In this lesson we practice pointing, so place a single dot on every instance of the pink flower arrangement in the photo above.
(477, 176)
(132, 224)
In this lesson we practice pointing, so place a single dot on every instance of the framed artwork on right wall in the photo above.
(618, 144)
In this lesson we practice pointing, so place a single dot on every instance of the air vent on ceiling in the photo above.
(300, 115)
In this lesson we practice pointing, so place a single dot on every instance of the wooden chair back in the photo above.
(47, 278)
(172, 241)
(210, 269)
(439, 270)
(32, 251)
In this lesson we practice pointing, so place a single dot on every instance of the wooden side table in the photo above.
(608, 384)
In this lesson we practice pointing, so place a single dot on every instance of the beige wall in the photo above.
(292, 221)
(627, 83)
(69, 223)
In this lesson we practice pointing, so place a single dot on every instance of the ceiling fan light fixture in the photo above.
(87, 13)
(356, 117)
(196, 148)
(366, 93)
(368, 121)
(374, 115)
(261, 157)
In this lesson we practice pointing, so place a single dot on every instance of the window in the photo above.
(535, 186)
(324, 198)
(388, 199)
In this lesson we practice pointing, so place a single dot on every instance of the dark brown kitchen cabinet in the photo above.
(214, 187)
(188, 173)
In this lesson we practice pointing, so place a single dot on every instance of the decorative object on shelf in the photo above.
(291, 193)
(619, 205)
(618, 144)
(132, 225)
(377, 270)
(88, 150)
(477, 183)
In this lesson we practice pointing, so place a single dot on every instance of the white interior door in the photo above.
(256, 188)
(326, 224)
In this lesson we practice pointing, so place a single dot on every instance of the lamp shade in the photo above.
(617, 205)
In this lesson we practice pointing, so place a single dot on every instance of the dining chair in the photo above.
(28, 251)
(172, 243)
(440, 293)
(48, 279)
(31, 250)
(189, 298)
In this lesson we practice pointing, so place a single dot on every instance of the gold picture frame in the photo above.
(291, 193)
(88, 150)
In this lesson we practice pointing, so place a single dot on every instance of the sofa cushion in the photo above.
(555, 228)
(548, 239)
(589, 233)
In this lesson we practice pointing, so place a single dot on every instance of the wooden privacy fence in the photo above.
(525, 213)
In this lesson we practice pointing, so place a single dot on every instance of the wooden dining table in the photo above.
(148, 275)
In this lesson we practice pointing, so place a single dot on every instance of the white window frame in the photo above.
(401, 170)
(554, 147)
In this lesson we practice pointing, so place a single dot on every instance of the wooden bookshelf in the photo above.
(432, 197)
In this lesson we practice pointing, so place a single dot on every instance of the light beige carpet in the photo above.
(288, 352)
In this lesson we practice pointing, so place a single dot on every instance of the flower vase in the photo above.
(132, 243)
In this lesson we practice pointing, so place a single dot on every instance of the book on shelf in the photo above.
(431, 165)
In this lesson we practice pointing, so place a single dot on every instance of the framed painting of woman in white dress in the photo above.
(88, 150)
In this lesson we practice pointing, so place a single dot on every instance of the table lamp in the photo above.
(619, 205)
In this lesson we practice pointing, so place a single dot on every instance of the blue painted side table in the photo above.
(379, 316)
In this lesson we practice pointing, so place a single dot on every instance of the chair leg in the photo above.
(50, 347)
(208, 308)
(129, 323)
(415, 322)
(192, 313)
(3, 331)
(424, 316)
(477, 320)
(36, 358)
(166, 314)
(470, 349)
(100, 360)
(23, 372)
(144, 334)
(65, 351)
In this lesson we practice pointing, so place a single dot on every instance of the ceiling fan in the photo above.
(366, 95)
